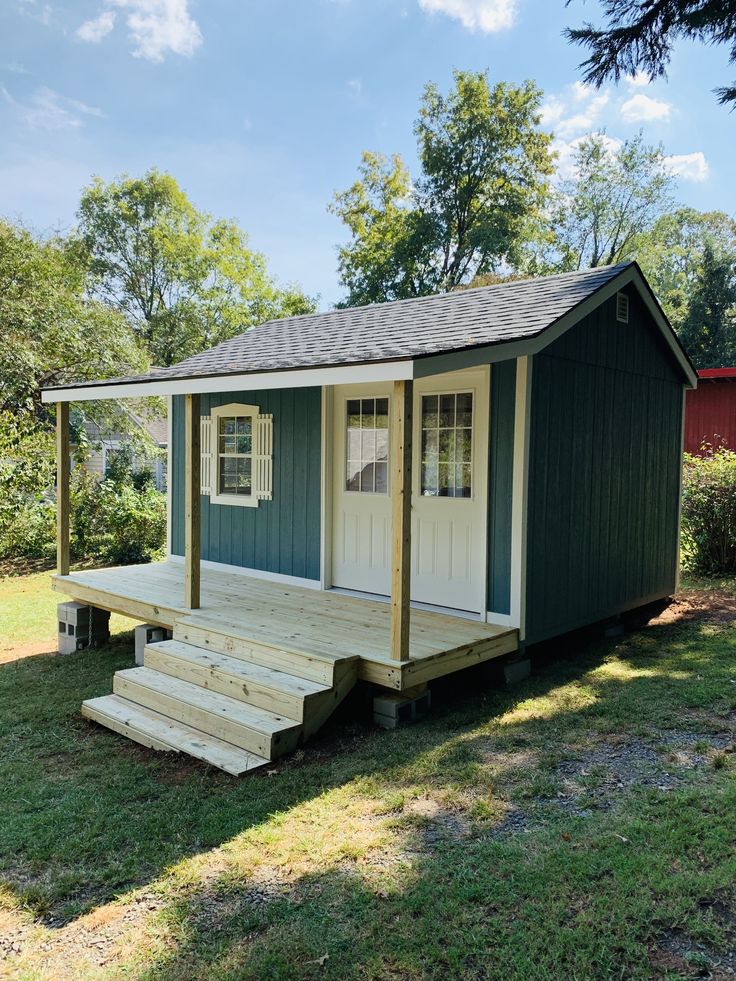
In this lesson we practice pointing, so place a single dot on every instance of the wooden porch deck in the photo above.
(294, 620)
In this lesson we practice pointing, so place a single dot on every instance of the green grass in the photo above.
(493, 840)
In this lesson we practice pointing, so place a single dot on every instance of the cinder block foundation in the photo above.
(81, 627)
(515, 671)
(147, 633)
(393, 709)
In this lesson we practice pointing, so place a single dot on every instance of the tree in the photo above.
(708, 332)
(616, 194)
(672, 253)
(639, 35)
(484, 169)
(52, 331)
(184, 280)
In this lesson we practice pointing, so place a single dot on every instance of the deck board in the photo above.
(294, 617)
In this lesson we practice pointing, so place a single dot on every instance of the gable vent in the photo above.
(622, 308)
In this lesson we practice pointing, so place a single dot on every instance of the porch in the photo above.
(298, 621)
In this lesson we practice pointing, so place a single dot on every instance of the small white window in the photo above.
(447, 445)
(622, 308)
(366, 450)
(237, 459)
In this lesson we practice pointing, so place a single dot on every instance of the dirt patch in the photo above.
(709, 606)
(33, 649)
(676, 951)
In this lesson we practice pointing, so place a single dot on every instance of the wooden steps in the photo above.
(156, 731)
(234, 710)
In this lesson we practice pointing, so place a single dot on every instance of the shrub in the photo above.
(709, 513)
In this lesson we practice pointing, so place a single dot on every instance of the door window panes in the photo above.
(447, 440)
(367, 446)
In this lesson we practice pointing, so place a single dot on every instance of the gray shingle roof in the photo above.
(402, 329)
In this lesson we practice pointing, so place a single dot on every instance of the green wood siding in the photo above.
(604, 472)
(500, 485)
(281, 535)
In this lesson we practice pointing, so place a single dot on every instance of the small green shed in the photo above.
(392, 493)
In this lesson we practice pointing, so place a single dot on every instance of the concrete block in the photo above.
(391, 710)
(147, 633)
(81, 626)
(515, 671)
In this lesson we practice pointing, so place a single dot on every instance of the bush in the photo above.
(119, 520)
(116, 522)
(709, 513)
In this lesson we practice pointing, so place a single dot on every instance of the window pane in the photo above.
(447, 445)
(368, 413)
(243, 425)
(244, 444)
(430, 444)
(463, 445)
(381, 413)
(464, 410)
(353, 476)
(366, 478)
(382, 444)
(368, 446)
(443, 482)
(244, 475)
(447, 410)
(353, 444)
(429, 411)
(227, 426)
(467, 480)
(429, 479)
(381, 478)
(353, 414)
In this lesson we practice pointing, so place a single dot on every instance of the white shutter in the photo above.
(205, 441)
(263, 458)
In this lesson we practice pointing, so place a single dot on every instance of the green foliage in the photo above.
(708, 332)
(184, 280)
(53, 333)
(484, 169)
(119, 520)
(689, 257)
(27, 514)
(709, 512)
(639, 36)
(594, 217)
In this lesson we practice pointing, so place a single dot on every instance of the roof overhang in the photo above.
(381, 371)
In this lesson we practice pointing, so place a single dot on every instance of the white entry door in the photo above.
(450, 441)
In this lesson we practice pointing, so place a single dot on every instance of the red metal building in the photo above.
(710, 411)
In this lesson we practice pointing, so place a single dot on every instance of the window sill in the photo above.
(236, 500)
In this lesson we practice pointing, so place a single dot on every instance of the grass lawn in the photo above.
(580, 825)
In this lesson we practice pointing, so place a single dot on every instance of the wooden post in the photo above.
(63, 467)
(401, 432)
(192, 484)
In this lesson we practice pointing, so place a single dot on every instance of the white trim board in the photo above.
(520, 484)
(253, 573)
(257, 381)
(169, 472)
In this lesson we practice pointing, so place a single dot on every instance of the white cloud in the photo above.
(638, 80)
(156, 27)
(689, 166)
(576, 114)
(488, 16)
(567, 150)
(15, 68)
(94, 30)
(643, 109)
(355, 87)
(49, 110)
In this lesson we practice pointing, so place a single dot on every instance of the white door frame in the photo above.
(481, 436)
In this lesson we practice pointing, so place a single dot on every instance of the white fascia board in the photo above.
(262, 381)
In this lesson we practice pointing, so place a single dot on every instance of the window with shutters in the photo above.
(237, 459)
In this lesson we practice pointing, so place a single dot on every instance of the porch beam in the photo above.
(63, 469)
(192, 485)
(401, 453)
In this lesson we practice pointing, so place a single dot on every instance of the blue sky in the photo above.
(261, 108)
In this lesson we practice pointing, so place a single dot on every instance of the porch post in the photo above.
(401, 433)
(192, 484)
(63, 467)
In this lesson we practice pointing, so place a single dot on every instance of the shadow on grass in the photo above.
(88, 814)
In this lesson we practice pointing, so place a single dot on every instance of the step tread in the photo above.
(246, 671)
(162, 733)
(249, 716)
(257, 635)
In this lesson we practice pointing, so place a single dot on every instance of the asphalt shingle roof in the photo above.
(402, 329)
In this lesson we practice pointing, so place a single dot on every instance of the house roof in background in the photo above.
(717, 374)
(401, 330)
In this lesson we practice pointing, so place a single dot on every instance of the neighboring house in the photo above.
(710, 412)
(102, 449)
(392, 493)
